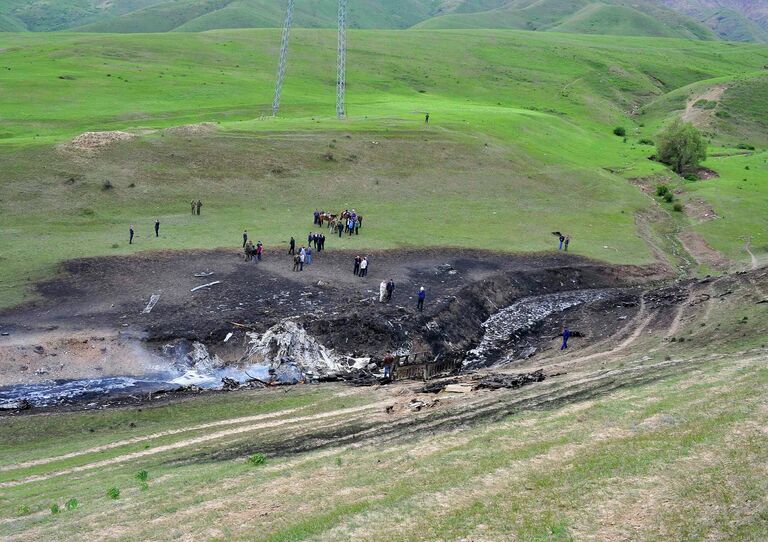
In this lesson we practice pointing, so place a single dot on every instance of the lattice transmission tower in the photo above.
(341, 59)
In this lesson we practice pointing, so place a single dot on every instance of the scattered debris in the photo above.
(512, 381)
(96, 140)
(151, 305)
(457, 388)
(229, 336)
(437, 387)
(203, 274)
(205, 285)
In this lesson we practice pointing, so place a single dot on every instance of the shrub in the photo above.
(107, 185)
(257, 459)
(142, 476)
(619, 131)
(24, 510)
(681, 147)
(661, 190)
(678, 207)
(71, 504)
(55, 508)
(691, 177)
(745, 146)
(646, 141)
(669, 197)
(113, 493)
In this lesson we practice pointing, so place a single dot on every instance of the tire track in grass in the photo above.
(185, 443)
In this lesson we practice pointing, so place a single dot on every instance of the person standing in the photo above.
(296, 262)
(248, 251)
(308, 256)
(193, 203)
(340, 227)
(317, 217)
(422, 297)
(322, 242)
(567, 242)
(364, 267)
(199, 205)
(356, 270)
(302, 258)
(426, 118)
(357, 226)
(292, 246)
(245, 237)
(259, 250)
(566, 336)
(351, 226)
(157, 227)
(388, 362)
(382, 291)
(390, 289)
(130, 235)
(561, 238)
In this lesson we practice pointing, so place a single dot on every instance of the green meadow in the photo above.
(520, 141)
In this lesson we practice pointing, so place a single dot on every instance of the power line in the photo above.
(283, 57)
(341, 62)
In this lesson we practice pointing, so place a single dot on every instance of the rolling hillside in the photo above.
(702, 19)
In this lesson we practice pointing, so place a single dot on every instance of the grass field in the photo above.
(520, 142)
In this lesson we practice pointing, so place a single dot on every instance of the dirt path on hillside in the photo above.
(697, 115)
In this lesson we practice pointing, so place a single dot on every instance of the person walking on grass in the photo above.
(566, 336)
(198, 206)
(364, 267)
(245, 237)
(422, 297)
(157, 227)
(426, 118)
(567, 242)
(292, 246)
(130, 234)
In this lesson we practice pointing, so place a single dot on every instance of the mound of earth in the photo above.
(97, 140)
(202, 128)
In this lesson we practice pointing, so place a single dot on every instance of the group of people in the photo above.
(301, 258)
(316, 239)
(196, 205)
(565, 240)
(361, 266)
(132, 231)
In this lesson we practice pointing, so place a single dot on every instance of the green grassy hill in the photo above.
(198, 15)
(520, 143)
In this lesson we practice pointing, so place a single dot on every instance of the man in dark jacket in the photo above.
(130, 235)
(292, 246)
(157, 228)
(356, 270)
(566, 336)
(390, 289)
(245, 237)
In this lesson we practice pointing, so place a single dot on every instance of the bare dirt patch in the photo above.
(698, 114)
(98, 140)
(203, 128)
(704, 254)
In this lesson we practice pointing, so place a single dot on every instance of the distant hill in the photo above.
(737, 20)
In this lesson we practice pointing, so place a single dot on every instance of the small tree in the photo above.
(681, 147)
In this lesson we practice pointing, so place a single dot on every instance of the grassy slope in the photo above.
(618, 20)
(521, 130)
(678, 459)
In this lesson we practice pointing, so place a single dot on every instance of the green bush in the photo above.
(745, 146)
(691, 177)
(681, 147)
(257, 459)
(71, 504)
(113, 493)
(669, 197)
(55, 508)
(661, 190)
(722, 114)
(646, 141)
(24, 510)
(142, 476)
(678, 207)
(619, 131)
